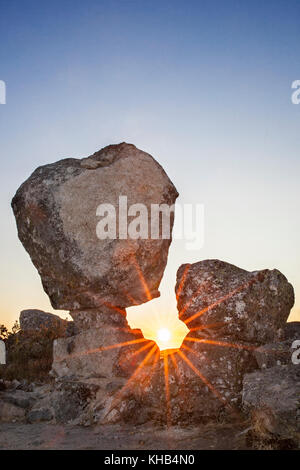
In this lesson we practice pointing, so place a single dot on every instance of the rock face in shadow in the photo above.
(272, 397)
(55, 210)
(230, 313)
(34, 320)
(274, 354)
(290, 331)
(97, 353)
(2, 352)
(219, 364)
(229, 301)
(195, 385)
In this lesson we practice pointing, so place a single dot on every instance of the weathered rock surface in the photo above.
(98, 352)
(14, 402)
(96, 318)
(11, 413)
(19, 398)
(40, 414)
(274, 354)
(246, 306)
(197, 384)
(221, 362)
(2, 352)
(272, 397)
(34, 319)
(290, 331)
(55, 211)
(280, 352)
(60, 402)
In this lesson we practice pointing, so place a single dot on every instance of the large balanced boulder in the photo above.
(57, 219)
(230, 301)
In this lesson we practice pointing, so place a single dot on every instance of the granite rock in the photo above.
(230, 301)
(55, 210)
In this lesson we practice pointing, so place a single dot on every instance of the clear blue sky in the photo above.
(203, 86)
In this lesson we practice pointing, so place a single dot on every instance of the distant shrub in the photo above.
(29, 354)
(3, 332)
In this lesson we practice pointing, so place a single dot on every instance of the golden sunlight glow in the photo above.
(159, 322)
(163, 336)
(157, 318)
(161, 325)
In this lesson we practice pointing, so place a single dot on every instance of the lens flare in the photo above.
(163, 335)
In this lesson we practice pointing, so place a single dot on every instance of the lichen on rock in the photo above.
(56, 215)
(247, 306)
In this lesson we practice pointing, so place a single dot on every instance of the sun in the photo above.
(163, 336)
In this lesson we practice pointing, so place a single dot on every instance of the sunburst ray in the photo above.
(119, 395)
(141, 277)
(217, 302)
(104, 348)
(221, 343)
(202, 377)
(167, 389)
(115, 308)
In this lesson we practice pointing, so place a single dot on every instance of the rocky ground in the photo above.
(15, 436)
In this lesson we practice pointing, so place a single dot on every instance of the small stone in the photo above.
(38, 415)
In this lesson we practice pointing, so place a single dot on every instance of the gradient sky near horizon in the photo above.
(205, 87)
